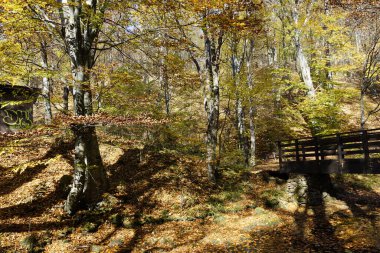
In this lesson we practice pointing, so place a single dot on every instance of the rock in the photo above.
(290, 206)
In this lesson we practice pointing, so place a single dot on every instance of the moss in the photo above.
(90, 227)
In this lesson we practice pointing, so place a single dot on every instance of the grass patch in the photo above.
(271, 197)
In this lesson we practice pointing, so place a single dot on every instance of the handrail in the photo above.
(327, 135)
(356, 147)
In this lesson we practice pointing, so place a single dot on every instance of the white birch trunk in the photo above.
(302, 61)
(212, 101)
(46, 85)
(236, 63)
(163, 77)
(250, 83)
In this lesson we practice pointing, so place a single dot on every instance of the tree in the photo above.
(370, 78)
(78, 28)
(81, 22)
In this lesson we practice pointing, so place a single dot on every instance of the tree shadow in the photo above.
(312, 230)
(30, 209)
(325, 238)
(363, 202)
(37, 206)
(10, 184)
(143, 178)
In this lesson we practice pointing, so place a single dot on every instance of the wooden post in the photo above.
(279, 154)
(297, 152)
(340, 152)
(316, 148)
(366, 150)
(322, 152)
(303, 153)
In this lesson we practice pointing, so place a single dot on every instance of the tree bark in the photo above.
(66, 93)
(329, 74)
(236, 64)
(213, 45)
(362, 108)
(46, 87)
(163, 77)
(249, 44)
(80, 36)
(302, 61)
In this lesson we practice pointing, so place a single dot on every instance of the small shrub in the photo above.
(271, 198)
(116, 219)
(90, 227)
(30, 243)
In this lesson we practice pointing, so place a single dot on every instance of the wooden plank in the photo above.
(330, 152)
(340, 150)
(353, 145)
(287, 144)
(329, 147)
(352, 166)
(306, 149)
(373, 136)
(306, 143)
(289, 156)
(352, 138)
(327, 141)
(374, 143)
(353, 152)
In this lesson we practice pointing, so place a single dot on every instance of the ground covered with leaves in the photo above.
(161, 201)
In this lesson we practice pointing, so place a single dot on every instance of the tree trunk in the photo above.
(252, 129)
(66, 93)
(236, 63)
(163, 78)
(212, 53)
(249, 44)
(90, 179)
(75, 197)
(302, 62)
(362, 108)
(46, 84)
(327, 45)
(212, 125)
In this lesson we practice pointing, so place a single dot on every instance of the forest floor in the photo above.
(161, 201)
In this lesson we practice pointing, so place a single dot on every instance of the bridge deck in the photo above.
(351, 152)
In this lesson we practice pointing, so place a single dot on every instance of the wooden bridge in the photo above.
(350, 152)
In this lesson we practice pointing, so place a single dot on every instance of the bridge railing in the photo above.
(336, 152)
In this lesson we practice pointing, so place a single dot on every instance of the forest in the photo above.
(189, 126)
